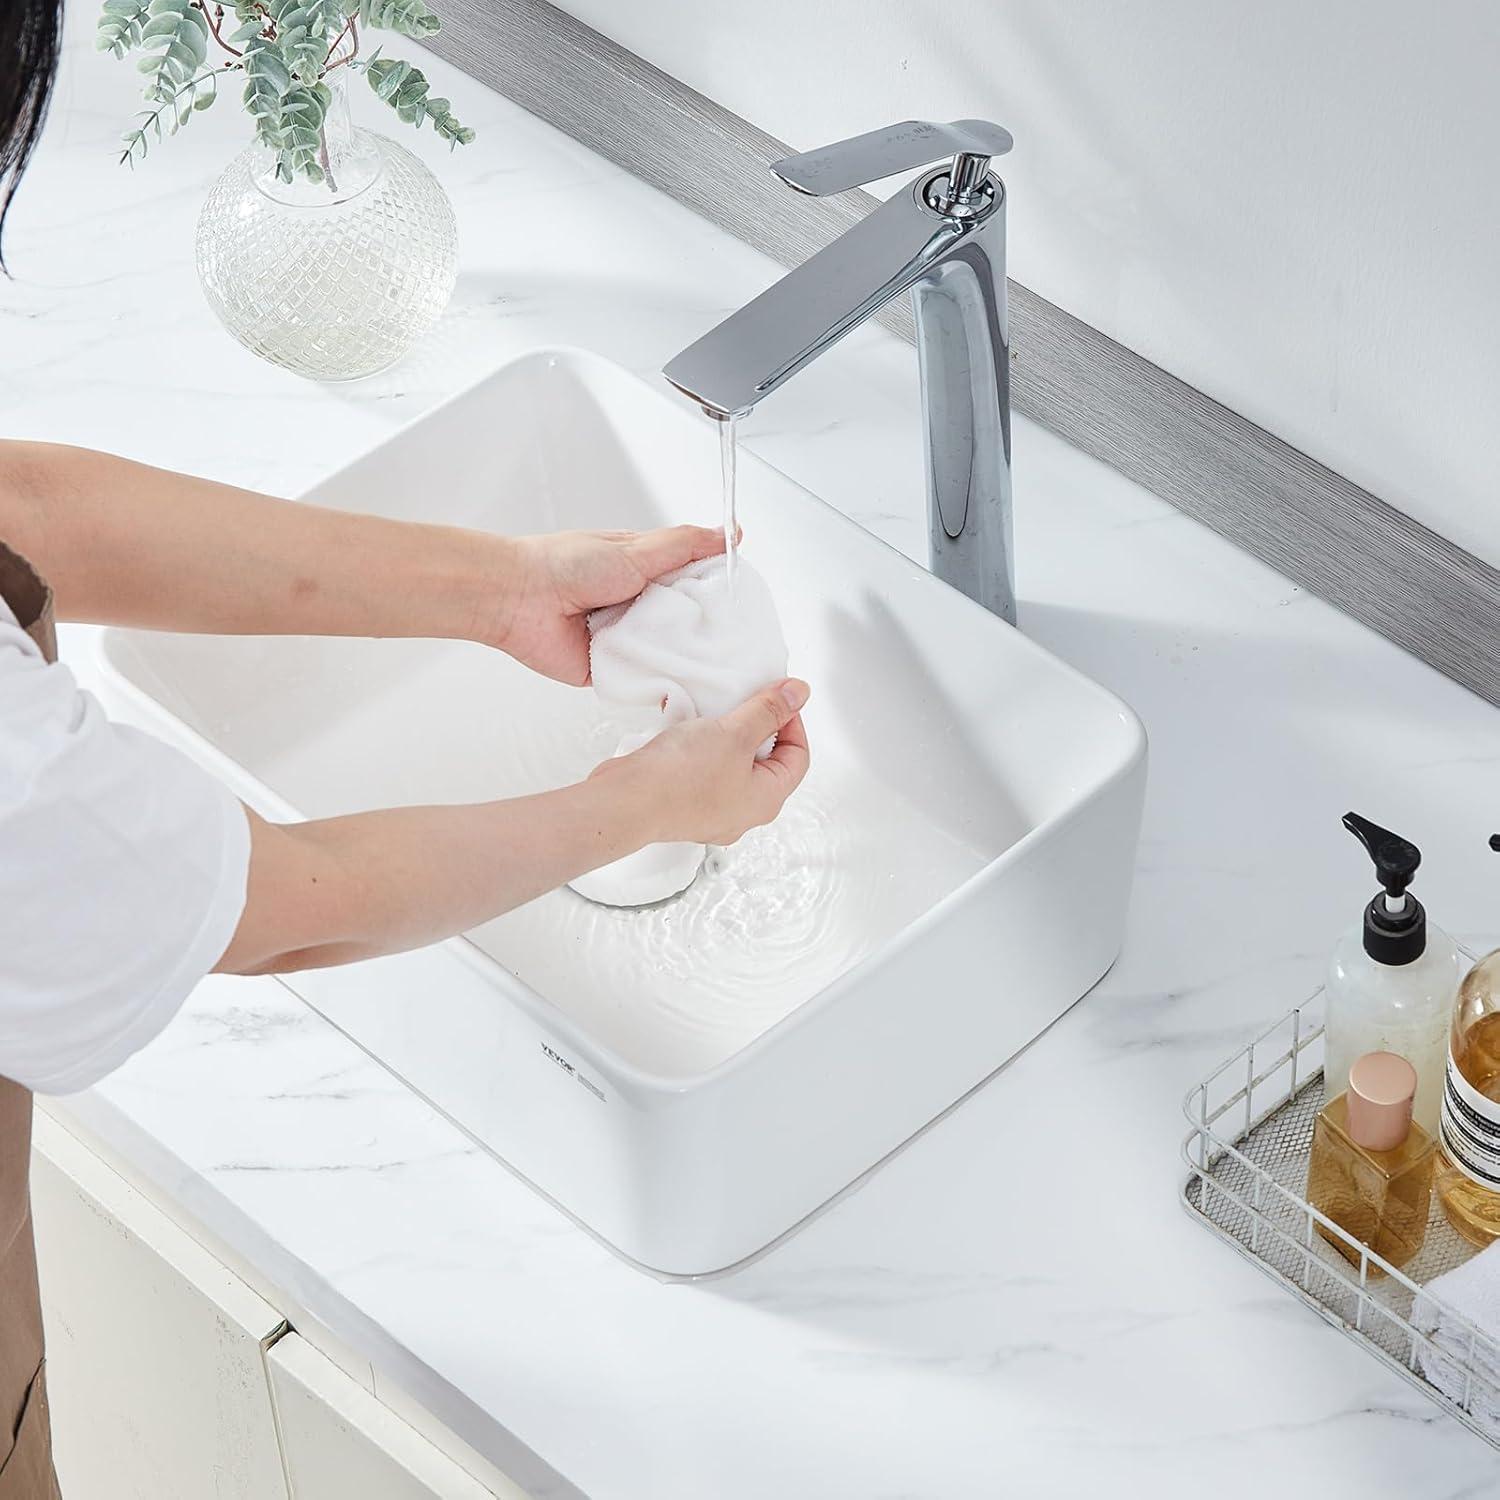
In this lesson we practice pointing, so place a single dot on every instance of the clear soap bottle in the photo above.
(1371, 1165)
(1392, 980)
(1468, 1170)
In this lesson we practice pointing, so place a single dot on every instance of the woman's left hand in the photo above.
(555, 580)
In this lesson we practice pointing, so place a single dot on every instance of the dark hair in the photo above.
(30, 38)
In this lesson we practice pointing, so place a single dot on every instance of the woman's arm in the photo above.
(342, 889)
(122, 543)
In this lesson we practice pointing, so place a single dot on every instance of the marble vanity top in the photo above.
(1016, 1303)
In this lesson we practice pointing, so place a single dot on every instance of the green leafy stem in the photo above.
(405, 90)
(285, 50)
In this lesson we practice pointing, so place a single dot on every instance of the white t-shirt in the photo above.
(122, 876)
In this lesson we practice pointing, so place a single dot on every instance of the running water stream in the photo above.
(728, 452)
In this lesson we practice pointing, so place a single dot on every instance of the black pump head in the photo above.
(1396, 859)
(1395, 923)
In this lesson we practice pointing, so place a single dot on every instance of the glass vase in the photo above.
(333, 279)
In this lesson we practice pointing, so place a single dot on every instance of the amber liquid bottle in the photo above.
(1371, 1168)
(1468, 1170)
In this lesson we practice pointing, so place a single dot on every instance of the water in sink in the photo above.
(768, 923)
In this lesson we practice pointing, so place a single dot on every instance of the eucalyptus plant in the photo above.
(285, 51)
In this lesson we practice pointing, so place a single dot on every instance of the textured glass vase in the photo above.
(333, 279)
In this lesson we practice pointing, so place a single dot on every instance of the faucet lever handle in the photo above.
(897, 148)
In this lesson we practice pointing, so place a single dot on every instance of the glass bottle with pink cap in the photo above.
(1371, 1166)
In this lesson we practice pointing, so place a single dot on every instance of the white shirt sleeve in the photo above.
(122, 877)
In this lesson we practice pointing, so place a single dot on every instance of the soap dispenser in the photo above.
(1392, 980)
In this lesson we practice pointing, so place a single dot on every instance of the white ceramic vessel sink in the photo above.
(690, 1081)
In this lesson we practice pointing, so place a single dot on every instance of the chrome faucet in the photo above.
(943, 238)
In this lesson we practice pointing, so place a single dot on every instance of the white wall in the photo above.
(1292, 204)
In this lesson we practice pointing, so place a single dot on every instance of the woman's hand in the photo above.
(549, 584)
(700, 782)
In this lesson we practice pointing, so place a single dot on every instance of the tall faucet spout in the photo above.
(943, 239)
(756, 350)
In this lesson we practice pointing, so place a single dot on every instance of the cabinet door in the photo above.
(339, 1441)
(155, 1351)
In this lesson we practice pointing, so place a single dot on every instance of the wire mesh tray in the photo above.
(1248, 1151)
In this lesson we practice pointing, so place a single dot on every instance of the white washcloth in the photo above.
(1470, 1292)
(684, 648)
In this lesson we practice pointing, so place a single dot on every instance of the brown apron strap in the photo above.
(30, 600)
(25, 1439)
(28, 1473)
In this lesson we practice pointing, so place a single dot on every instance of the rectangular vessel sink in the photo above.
(692, 1080)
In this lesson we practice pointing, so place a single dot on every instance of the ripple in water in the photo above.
(770, 922)
(759, 914)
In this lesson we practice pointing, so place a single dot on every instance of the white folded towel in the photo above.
(684, 648)
(1469, 1292)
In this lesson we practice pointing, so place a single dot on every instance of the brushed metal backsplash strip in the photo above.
(1314, 526)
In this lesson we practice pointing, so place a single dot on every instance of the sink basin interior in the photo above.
(940, 739)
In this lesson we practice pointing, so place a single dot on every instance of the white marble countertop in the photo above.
(1016, 1303)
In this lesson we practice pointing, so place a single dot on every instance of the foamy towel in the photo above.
(684, 646)
(1444, 1310)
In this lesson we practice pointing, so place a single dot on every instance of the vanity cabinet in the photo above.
(155, 1350)
(339, 1440)
(172, 1379)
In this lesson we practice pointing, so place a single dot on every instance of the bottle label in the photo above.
(1470, 1128)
